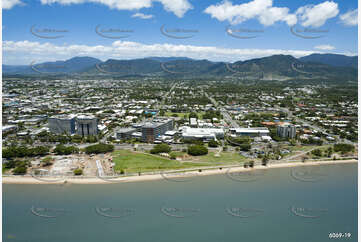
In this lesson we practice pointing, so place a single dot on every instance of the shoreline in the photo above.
(175, 177)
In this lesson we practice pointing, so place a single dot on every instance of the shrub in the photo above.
(245, 147)
(78, 172)
(197, 150)
(47, 161)
(317, 152)
(160, 148)
(20, 170)
(173, 156)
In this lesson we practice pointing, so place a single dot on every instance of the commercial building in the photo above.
(204, 134)
(286, 131)
(125, 133)
(252, 132)
(86, 125)
(62, 124)
(193, 122)
(152, 130)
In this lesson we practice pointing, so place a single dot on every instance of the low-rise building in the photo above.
(124, 133)
(252, 132)
(202, 133)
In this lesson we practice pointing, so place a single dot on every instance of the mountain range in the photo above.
(275, 67)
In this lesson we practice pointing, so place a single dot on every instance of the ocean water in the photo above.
(299, 204)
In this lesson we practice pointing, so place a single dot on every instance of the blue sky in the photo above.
(47, 30)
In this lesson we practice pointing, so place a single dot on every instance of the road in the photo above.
(224, 112)
(162, 102)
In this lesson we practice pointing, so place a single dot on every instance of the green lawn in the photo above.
(131, 162)
(182, 115)
(298, 149)
(224, 158)
(210, 159)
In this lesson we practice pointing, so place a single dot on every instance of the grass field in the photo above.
(182, 115)
(131, 162)
(224, 158)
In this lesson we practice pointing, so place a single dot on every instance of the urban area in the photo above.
(87, 128)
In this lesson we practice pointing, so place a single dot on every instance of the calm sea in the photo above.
(299, 204)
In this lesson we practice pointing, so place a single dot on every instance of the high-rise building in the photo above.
(286, 131)
(86, 125)
(62, 124)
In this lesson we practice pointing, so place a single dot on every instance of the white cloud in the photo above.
(349, 18)
(317, 15)
(178, 7)
(8, 4)
(262, 10)
(324, 47)
(24, 52)
(142, 16)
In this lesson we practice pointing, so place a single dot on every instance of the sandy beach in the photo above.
(182, 176)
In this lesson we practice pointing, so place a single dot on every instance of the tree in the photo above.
(65, 150)
(99, 148)
(193, 115)
(344, 148)
(160, 148)
(251, 164)
(264, 161)
(196, 150)
(213, 143)
(329, 151)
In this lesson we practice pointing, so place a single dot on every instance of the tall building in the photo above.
(86, 125)
(286, 131)
(156, 128)
(62, 124)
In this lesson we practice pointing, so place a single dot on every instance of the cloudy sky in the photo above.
(231, 30)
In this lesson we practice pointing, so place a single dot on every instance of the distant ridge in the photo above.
(275, 67)
(332, 59)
